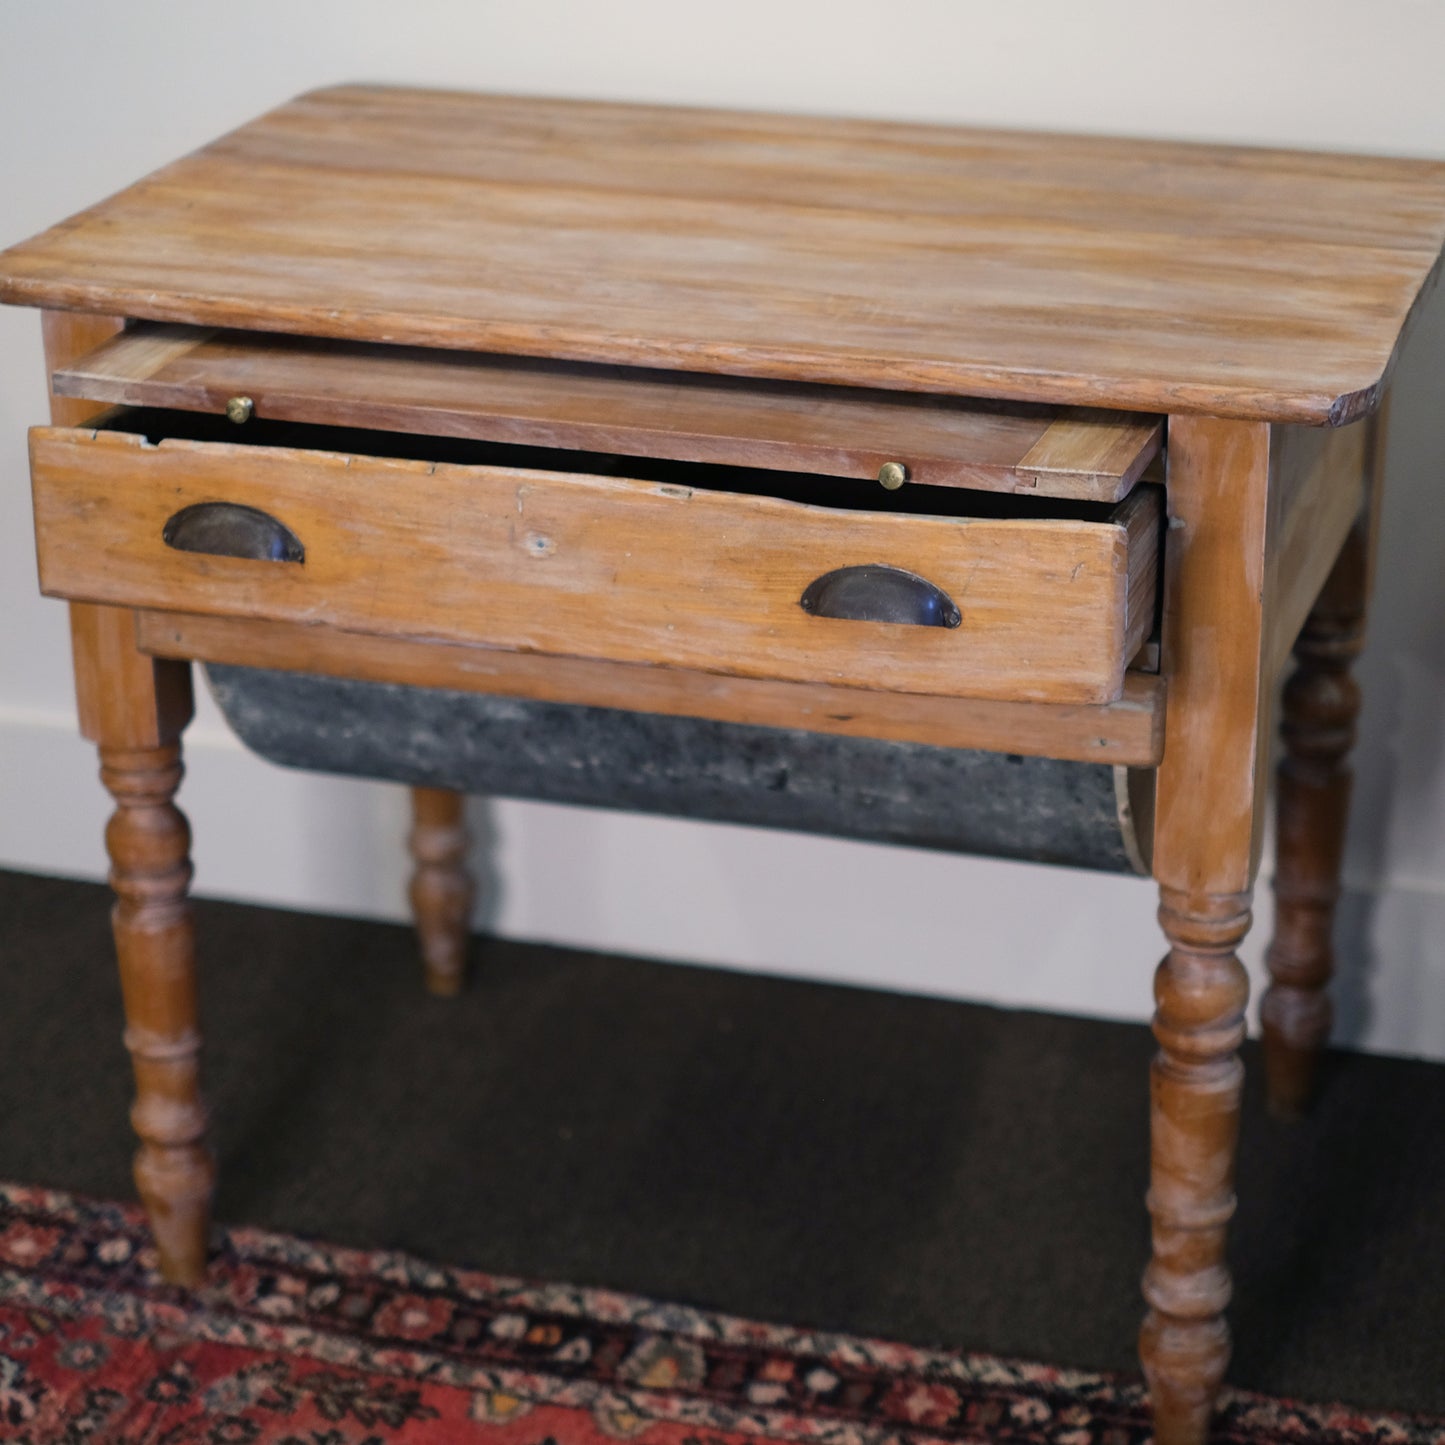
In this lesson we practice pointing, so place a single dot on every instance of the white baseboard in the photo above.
(912, 921)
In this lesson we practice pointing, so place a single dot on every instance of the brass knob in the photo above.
(892, 475)
(239, 409)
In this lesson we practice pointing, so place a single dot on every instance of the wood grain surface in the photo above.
(1318, 487)
(837, 431)
(1128, 274)
(608, 567)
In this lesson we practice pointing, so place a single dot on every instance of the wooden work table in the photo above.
(1123, 397)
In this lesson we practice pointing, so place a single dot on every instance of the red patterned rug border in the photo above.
(628, 1362)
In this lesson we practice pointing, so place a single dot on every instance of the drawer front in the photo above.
(602, 567)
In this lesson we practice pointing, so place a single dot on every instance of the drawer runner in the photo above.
(1071, 452)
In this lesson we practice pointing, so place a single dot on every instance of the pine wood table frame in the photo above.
(1264, 294)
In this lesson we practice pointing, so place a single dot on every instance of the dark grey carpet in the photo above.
(932, 1172)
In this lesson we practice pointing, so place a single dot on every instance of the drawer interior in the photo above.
(1064, 452)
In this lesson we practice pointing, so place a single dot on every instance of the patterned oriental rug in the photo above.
(294, 1343)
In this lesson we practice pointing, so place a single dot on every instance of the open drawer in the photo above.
(772, 571)
(759, 575)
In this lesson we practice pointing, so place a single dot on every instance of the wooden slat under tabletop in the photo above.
(1070, 452)
(1128, 731)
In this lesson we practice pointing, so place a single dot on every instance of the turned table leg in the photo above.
(1216, 656)
(149, 845)
(441, 887)
(134, 707)
(1196, 1080)
(1321, 705)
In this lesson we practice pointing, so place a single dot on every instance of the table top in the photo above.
(1152, 276)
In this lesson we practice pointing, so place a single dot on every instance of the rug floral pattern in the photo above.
(296, 1343)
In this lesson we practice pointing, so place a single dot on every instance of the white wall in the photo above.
(93, 95)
